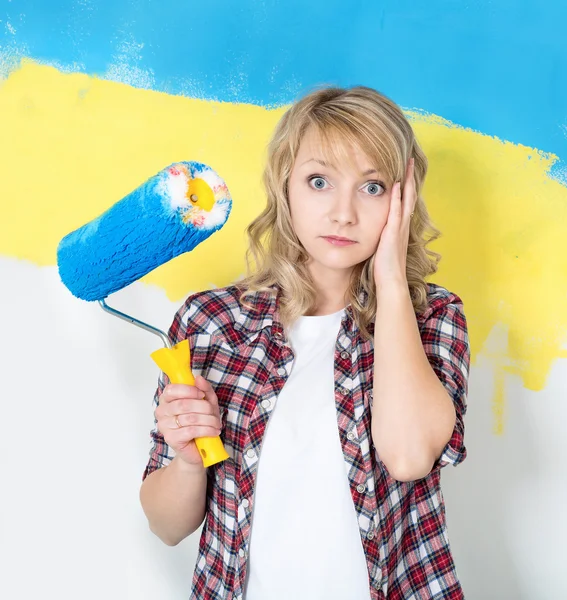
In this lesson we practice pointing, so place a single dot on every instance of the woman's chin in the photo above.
(335, 265)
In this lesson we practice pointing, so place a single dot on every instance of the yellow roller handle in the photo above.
(174, 362)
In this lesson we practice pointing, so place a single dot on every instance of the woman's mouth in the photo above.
(338, 241)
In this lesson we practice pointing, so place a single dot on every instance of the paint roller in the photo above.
(168, 215)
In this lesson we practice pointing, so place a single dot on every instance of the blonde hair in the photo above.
(343, 117)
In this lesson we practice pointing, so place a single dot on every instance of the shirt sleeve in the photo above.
(160, 452)
(445, 340)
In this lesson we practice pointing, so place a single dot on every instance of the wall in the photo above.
(95, 97)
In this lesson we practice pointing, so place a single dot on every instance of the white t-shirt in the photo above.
(305, 541)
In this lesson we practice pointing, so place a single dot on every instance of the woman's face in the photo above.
(338, 212)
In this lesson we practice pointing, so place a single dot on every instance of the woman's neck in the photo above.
(331, 291)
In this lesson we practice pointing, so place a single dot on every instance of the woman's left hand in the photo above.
(391, 254)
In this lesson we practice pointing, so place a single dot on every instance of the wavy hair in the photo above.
(357, 117)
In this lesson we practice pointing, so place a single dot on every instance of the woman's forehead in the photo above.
(331, 150)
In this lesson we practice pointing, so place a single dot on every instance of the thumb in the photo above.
(201, 383)
(395, 212)
(207, 388)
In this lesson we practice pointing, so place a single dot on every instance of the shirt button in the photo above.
(245, 503)
(250, 453)
(265, 404)
(345, 355)
(370, 535)
(281, 371)
(350, 436)
(241, 553)
(360, 488)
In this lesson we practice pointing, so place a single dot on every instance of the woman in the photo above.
(334, 373)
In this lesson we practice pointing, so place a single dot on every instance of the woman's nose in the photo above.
(343, 210)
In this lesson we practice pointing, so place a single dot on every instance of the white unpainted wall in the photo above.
(77, 390)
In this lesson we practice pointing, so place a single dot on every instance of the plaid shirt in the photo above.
(246, 357)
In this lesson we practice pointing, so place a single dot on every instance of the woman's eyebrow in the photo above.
(328, 165)
(321, 162)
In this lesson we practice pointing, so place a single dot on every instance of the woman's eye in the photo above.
(317, 182)
(374, 189)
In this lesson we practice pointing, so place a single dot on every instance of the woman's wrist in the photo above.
(185, 468)
(395, 289)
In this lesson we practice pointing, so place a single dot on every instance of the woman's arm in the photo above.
(173, 499)
(416, 409)
(173, 492)
(413, 415)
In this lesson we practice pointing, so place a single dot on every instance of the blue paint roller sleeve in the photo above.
(168, 215)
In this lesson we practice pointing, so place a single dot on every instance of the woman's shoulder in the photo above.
(440, 299)
(208, 310)
(219, 309)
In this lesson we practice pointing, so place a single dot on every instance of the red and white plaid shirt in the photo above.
(246, 357)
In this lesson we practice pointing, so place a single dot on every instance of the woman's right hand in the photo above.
(197, 410)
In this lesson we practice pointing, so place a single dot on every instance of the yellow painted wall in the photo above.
(73, 145)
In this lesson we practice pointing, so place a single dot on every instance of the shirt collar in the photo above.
(261, 315)
(264, 314)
